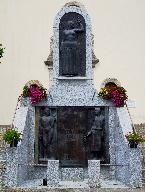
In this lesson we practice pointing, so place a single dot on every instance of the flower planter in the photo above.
(133, 145)
(45, 182)
(14, 143)
(12, 137)
(35, 91)
(134, 139)
(114, 93)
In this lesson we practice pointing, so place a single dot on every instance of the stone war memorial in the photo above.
(74, 138)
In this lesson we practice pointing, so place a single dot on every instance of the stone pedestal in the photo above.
(135, 168)
(53, 173)
(12, 167)
(94, 173)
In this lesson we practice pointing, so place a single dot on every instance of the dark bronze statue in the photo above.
(69, 50)
(95, 135)
(47, 134)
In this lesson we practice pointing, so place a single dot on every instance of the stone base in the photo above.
(53, 173)
(11, 179)
(135, 168)
(72, 174)
(59, 176)
(94, 173)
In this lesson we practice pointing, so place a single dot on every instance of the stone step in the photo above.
(112, 184)
(37, 183)
(45, 189)
(73, 185)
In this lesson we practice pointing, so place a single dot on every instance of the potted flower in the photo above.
(12, 137)
(35, 91)
(114, 93)
(134, 139)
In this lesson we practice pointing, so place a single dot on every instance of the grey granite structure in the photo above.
(2, 173)
(12, 167)
(94, 173)
(53, 173)
(135, 168)
(22, 163)
(69, 174)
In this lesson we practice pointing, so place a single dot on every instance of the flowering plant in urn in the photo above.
(35, 91)
(114, 93)
(134, 138)
(12, 137)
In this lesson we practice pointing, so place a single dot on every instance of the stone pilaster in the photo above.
(53, 173)
(94, 173)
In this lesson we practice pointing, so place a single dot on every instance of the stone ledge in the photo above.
(73, 78)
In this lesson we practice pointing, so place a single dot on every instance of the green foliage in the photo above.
(25, 91)
(135, 138)
(1, 51)
(10, 135)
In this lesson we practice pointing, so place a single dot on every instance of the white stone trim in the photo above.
(108, 80)
(74, 3)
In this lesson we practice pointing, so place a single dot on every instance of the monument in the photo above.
(74, 136)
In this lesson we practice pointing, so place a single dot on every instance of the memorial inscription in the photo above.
(72, 127)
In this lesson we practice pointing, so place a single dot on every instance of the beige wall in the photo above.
(25, 31)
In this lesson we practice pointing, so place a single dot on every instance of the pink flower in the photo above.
(36, 94)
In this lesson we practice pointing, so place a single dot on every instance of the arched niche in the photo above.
(72, 45)
(78, 15)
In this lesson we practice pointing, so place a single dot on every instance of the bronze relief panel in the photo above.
(72, 45)
(72, 134)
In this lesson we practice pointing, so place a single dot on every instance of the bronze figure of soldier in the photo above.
(95, 135)
(69, 50)
(47, 135)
